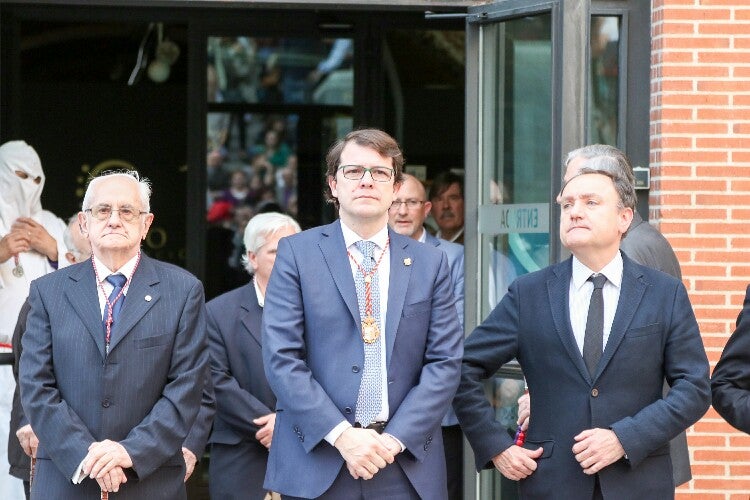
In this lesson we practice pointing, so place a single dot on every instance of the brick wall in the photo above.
(700, 195)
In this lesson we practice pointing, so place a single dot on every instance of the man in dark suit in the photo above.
(245, 417)
(730, 381)
(584, 333)
(406, 216)
(646, 246)
(361, 343)
(113, 366)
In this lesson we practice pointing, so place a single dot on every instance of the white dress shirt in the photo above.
(580, 295)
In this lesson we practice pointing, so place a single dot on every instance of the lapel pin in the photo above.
(407, 261)
(148, 298)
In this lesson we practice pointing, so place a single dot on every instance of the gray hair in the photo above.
(144, 187)
(260, 228)
(70, 245)
(621, 167)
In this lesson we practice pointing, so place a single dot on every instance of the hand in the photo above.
(112, 480)
(391, 443)
(364, 452)
(524, 411)
(28, 440)
(190, 461)
(265, 434)
(597, 448)
(516, 462)
(39, 239)
(104, 456)
(13, 243)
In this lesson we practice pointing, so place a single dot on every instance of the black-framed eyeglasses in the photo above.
(356, 172)
(410, 204)
(104, 212)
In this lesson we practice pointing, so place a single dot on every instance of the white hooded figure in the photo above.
(31, 245)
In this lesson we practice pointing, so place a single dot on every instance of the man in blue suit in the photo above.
(406, 216)
(245, 416)
(361, 343)
(584, 333)
(113, 367)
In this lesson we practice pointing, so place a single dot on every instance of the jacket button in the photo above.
(594, 392)
(347, 410)
(105, 403)
(355, 369)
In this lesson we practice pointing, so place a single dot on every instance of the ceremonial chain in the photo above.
(111, 305)
(370, 329)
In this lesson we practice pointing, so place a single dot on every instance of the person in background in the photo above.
(406, 216)
(23, 447)
(583, 331)
(114, 358)
(244, 423)
(447, 197)
(730, 381)
(361, 343)
(31, 245)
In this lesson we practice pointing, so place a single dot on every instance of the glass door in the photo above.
(512, 166)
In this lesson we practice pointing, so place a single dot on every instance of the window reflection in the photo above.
(604, 80)
(283, 70)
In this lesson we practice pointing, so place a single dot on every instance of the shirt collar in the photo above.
(423, 236)
(613, 271)
(350, 237)
(126, 270)
(258, 294)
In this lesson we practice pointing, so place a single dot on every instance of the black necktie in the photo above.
(593, 340)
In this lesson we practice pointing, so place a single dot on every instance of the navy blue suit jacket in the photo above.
(242, 393)
(730, 382)
(145, 393)
(654, 337)
(312, 351)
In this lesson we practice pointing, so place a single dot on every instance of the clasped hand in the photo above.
(366, 452)
(105, 462)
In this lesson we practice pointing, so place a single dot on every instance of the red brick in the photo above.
(722, 256)
(739, 470)
(741, 100)
(703, 270)
(729, 199)
(694, 42)
(722, 29)
(706, 300)
(706, 441)
(693, 213)
(673, 114)
(693, 243)
(739, 440)
(722, 142)
(741, 42)
(692, 71)
(739, 156)
(738, 242)
(705, 425)
(707, 469)
(702, 171)
(722, 484)
(727, 285)
(743, 128)
(677, 56)
(680, 494)
(727, 85)
(677, 86)
(725, 113)
(674, 227)
(694, 128)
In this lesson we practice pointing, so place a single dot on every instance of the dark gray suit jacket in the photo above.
(654, 337)
(647, 246)
(145, 394)
(238, 460)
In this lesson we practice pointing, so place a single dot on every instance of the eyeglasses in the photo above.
(356, 172)
(410, 204)
(104, 212)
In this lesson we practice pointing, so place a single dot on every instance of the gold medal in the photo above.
(370, 330)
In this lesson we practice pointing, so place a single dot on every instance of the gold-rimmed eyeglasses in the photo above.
(104, 212)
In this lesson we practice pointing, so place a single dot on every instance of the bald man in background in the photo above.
(406, 216)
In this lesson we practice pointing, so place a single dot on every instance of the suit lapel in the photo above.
(251, 312)
(631, 293)
(398, 282)
(83, 296)
(143, 294)
(333, 250)
(558, 289)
